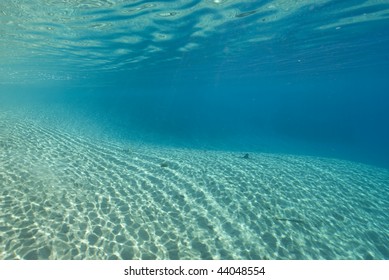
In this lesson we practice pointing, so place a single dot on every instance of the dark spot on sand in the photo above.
(164, 164)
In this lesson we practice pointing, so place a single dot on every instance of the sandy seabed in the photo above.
(63, 196)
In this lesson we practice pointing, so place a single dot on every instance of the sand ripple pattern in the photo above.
(66, 197)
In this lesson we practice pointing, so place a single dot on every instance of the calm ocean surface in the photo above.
(124, 125)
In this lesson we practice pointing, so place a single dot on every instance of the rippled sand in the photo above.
(65, 197)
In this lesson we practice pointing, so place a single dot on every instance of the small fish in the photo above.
(245, 14)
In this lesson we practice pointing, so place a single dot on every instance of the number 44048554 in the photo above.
(250, 270)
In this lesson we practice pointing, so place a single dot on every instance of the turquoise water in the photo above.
(124, 127)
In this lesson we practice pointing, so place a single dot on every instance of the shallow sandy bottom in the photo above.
(65, 197)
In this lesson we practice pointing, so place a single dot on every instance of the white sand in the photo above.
(66, 197)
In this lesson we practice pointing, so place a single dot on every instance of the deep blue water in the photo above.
(233, 75)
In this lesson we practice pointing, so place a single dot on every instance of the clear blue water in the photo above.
(273, 77)
(296, 77)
